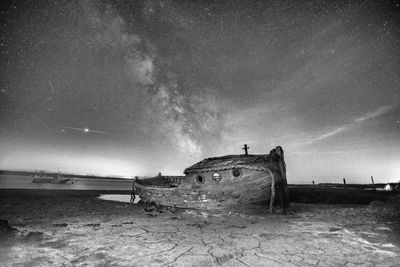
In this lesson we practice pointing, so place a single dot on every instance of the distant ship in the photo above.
(221, 183)
(41, 177)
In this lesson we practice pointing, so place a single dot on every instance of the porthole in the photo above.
(217, 177)
(200, 179)
(236, 172)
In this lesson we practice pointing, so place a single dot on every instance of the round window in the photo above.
(200, 179)
(237, 172)
(217, 177)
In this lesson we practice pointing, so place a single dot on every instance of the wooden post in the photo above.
(373, 183)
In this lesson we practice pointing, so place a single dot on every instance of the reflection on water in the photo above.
(120, 198)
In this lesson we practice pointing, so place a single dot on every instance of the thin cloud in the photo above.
(367, 116)
(378, 112)
(331, 133)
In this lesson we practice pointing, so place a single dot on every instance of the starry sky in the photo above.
(141, 87)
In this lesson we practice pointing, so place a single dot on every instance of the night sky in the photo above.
(137, 87)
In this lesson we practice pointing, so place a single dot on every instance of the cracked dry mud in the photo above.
(89, 231)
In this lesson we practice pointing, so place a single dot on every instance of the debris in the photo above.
(5, 228)
(34, 236)
(92, 224)
(61, 224)
(149, 209)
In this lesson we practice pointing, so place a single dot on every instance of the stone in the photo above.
(34, 236)
(60, 224)
(5, 228)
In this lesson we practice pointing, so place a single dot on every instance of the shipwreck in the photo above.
(226, 182)
(41, 177)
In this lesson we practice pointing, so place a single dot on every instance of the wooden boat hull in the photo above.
(49, 180)
(209, 194)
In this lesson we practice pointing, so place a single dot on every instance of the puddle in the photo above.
(120, 198)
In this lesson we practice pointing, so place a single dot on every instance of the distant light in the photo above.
(86, 130)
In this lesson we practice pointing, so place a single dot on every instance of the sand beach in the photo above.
(76, 228)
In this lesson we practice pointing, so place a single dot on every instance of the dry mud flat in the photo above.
(75, 229)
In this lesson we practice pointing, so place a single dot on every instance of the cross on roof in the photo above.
(246, 148)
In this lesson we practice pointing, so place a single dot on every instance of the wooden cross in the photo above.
(245, 148)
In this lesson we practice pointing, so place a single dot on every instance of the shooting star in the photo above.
(51, 86)
(85, 130)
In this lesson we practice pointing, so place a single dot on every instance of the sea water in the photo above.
(120, 198)
(25, 182)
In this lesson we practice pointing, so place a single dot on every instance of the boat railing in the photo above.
(175, 181)
(161, 181)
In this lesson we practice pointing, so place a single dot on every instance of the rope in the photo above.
(133, 196)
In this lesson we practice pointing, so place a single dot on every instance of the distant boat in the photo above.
(41, 177)
(392, 187)
(221, 183)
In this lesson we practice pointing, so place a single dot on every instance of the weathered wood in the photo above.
(250, 187)
(285, 188)
(229, 162)
(242, 180)
(271, 203)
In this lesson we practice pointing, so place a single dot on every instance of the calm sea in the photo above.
(25, 182)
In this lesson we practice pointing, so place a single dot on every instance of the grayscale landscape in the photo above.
(199, 133)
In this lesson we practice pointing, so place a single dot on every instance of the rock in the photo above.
(5, 228)
(171, 209)
(376, 203)
(149, 209)
(383, 228)
(34, 236)
(161, 209)
(60, 224)
(395, 200)
(92, 224)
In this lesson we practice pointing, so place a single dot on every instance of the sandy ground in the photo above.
(75, 229)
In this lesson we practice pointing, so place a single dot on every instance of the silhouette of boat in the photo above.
(226, 182)
(41, 177)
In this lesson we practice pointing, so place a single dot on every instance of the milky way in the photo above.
(171, 82)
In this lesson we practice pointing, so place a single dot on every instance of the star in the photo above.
(85, 130)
